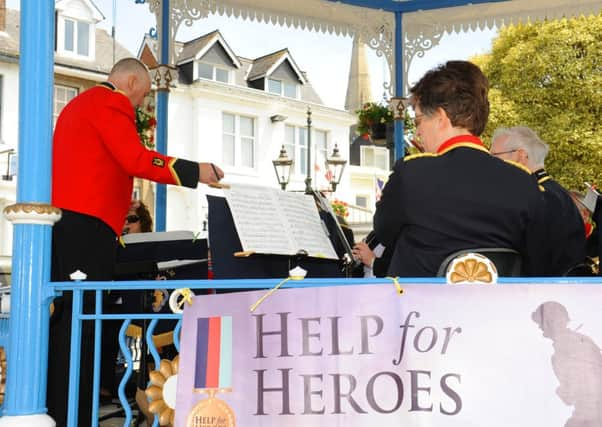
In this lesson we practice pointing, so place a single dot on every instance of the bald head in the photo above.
(131, 76)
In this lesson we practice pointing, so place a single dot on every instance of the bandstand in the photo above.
(396, 29)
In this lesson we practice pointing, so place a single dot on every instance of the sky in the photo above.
(324, 57)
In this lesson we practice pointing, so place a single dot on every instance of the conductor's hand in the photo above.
(209, 173)
(363, 253)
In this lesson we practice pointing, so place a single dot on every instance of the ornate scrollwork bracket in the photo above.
(415, 45)
(182, 11)
(32, 213)
(379, 37)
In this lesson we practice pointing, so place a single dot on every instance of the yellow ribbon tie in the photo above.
(397, 285)
(121, 242)
(271, 291)
(186, 297)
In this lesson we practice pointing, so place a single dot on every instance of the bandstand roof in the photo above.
(423, 22)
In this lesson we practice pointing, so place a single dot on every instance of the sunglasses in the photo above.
(132, 218)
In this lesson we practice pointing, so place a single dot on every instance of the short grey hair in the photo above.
(522, 137)
(129, 66)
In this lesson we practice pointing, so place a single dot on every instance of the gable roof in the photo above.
(102, 63)
(197, 48)
(65, 5)
(266, 65)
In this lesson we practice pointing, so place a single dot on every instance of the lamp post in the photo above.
(335, 165)
(308, 189)
(9, 153)
(282, 167)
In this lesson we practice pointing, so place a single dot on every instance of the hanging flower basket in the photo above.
(373, 119)
(378, 131)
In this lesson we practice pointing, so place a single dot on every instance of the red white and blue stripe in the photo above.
(213, 367)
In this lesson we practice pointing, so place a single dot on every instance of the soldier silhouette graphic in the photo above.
(577, 363)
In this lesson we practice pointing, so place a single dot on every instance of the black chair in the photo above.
(508, 262)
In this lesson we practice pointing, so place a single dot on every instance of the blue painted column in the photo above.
(162, 113)
(25, 402)
(399, 58)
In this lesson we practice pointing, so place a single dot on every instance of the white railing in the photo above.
(359, 215)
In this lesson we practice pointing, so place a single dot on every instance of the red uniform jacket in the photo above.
(97, 153)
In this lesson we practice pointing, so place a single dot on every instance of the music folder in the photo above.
(259, 232)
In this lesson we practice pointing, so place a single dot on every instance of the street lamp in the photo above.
(283, 166)
(308, 189)
(9, 174)
(335, 165)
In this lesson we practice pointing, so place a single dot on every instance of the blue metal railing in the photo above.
(78, 288)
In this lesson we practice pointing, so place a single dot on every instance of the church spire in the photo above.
(358, 86)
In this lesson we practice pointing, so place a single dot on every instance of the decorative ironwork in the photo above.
(380, 38)
(182, 11)
(416, 47)
(163, 76)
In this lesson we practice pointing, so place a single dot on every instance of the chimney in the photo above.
(2, 15)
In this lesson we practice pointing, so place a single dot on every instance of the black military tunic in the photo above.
(565, 245)
(460, 198)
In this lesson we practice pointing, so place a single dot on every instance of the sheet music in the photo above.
(257, 220)
(272, 221)
(301, 214)
(591, 198)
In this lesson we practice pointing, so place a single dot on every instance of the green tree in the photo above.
(548, 76)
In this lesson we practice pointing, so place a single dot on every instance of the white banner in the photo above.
(452, 356)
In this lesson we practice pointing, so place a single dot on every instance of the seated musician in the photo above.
(565, 244)
(455, 195)
(374, 256)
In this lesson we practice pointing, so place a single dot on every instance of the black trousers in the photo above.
(79, 242)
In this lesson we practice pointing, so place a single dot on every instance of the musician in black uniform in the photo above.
(565, 238)
(455, 195)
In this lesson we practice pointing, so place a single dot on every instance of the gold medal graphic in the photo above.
(211, 412)
(213, 373)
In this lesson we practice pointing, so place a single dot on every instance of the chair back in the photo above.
(508, 262)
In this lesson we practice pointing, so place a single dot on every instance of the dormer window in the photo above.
(213, 72)
(77, 37)
(283, 88)
(76, 28)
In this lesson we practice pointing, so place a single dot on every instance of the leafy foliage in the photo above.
(548, 76)
(372, 114)
(145, 125)
(340, 208)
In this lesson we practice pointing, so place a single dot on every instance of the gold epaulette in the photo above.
(417, 155)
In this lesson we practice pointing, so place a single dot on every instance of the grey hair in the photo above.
(527, 139)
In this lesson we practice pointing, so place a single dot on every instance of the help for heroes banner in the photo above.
(482, 356)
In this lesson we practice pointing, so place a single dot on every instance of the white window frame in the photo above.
(381, 150)
(367, 197)
(299, 153)
(60, 35)
(282, 85)
(238, 140)
(214, 68)
(55, 101)
(296, 152)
